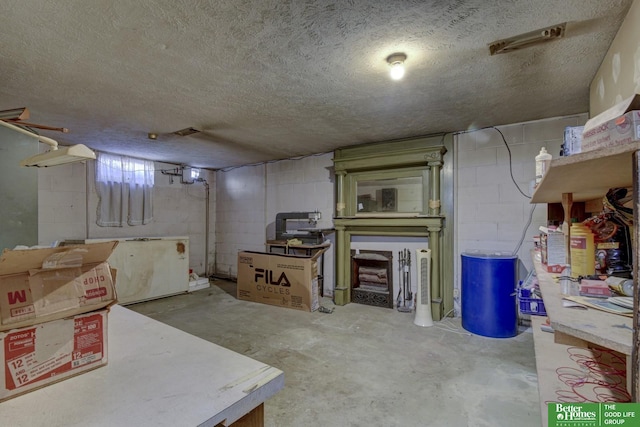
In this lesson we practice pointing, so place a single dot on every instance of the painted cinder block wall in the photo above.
(250, 197)
(490, 211)
(67, 205)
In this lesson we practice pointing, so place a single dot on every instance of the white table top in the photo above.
(157, 375)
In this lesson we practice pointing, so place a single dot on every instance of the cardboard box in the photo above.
(277, 279)
(595, 288)
(42, 354)
(618, 125)
(553, 252)
(75, 280)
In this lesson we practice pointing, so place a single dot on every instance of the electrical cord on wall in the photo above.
(533, 207)
(510, 161)
(524, 230)
(508, 151)
(230, 168)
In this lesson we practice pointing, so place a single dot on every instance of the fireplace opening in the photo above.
(372, 278)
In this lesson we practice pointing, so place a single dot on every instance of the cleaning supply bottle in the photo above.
(543, 160)
(582, 251)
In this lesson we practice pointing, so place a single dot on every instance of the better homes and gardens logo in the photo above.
(574, 414)
(594, 414)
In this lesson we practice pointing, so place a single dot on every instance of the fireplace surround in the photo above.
(390, 189)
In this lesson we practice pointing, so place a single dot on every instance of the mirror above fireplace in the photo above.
(396, 194)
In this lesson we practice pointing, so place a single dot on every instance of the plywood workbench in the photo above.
(591, 325)
(583, 177)
(589, 328)
(157, 376)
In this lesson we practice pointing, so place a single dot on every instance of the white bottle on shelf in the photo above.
(542, 164)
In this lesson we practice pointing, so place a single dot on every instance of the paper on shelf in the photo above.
(597, 303)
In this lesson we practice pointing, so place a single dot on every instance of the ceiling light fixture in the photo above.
(152, 135)
(55, 156)
(396, 61)
(528, 39)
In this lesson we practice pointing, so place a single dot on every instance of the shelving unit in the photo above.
(583, 177)
(591, 325)
(587, 176)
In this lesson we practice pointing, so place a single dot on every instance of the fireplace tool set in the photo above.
(405, 296)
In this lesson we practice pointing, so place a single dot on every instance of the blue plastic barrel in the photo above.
(488, 293)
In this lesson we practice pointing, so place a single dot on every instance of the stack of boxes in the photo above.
(616, 126)
(53, 314)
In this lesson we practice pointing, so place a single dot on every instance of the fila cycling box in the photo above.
(279, 279)
(45, 284)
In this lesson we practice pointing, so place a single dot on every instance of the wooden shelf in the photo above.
(549, 357)
(587, 175)
(583, 177)
(595, 326)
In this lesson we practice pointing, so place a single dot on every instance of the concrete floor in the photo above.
(366, 366)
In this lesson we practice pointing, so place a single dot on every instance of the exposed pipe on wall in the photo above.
(206, 230)
(86, 201)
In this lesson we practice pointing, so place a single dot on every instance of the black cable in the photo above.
(508, 150)
(230, 168)
(510, 162)
(524, 230)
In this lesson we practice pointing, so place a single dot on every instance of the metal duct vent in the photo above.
(528, 39)
(186, 132)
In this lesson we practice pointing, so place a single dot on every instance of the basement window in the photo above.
(125, 190)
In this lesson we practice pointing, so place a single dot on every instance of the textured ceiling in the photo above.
(269, 79)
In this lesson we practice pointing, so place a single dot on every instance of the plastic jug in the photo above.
(543, 160)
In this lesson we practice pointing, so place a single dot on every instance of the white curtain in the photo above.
(124, 184)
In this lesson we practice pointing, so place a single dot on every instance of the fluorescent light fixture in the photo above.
(60, 156)
(55, 156)
(527, 39)
(15, 114)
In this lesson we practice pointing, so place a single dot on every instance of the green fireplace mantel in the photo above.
(415, 213)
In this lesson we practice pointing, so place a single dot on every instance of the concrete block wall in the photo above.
(68, 202)
(62, 203)
(304, 185)
(240, 216)
(250, 197)
(490, 212)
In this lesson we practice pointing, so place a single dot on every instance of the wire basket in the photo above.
(529, 305)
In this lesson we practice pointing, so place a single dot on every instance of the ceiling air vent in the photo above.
(528, 39)
(186, 131)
